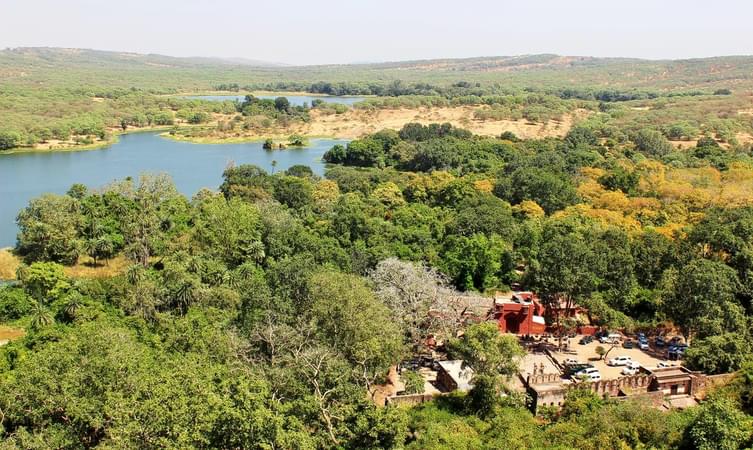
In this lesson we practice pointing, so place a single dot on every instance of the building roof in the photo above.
(671, 374)
(460, 372)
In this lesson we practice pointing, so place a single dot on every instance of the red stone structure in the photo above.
(519, 312)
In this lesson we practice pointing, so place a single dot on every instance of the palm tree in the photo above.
(73, 305)
(134, 274)
(40, 316)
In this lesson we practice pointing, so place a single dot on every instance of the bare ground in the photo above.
(356, 123)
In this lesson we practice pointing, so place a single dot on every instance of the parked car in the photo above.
(586, 340)
(663, 364)
(610, 338)
(627, 370)
(570, 361)
(620, 361)
(590, 374)
(572, 370)
(643, 345)
(627, 344)
(659, 341)
(641, 336)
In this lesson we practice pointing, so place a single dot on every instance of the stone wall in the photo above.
(543, 378)
(410, 399)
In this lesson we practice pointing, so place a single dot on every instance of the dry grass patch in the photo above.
(10, 333)
(9, 262)
(85, 268)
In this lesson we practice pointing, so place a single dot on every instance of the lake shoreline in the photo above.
(192, 168)
(266, 93)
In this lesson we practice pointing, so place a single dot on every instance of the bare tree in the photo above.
(419, 298)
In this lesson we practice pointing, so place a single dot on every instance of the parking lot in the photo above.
(587, 354)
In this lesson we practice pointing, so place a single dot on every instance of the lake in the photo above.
(192, 167)
(295, 100)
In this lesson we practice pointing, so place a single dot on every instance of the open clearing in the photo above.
(10, 262)
(356, 123)
(9, 333)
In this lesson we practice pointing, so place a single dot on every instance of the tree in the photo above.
(701, 299)
(552, 191)
(350, 319)
(44, 280)
(282, 104)
(229, 230)
(720, 354)
(476, 262)
(581, 136)
(300, 171)
(145, 223)
(488, 351)
(411, 292)
(49, 229)
(719, 426)
(652, 143)
(564, 271)
(41, 316)
(296, 140)
(9, 139)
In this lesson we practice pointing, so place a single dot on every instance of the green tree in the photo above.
(652, 143)
(352, 320)
(229, 230)
(488, 351)
(700, 299)
(720, 426)
(476, 262)
(49, 229)
(9, 139)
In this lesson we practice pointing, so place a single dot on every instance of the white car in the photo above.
(570, 362)
(663, 364)
(620, 361)
(632, 368)
(643, 345)
(589, 374)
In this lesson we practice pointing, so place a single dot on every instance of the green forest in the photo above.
(265, 315)
(269, 313)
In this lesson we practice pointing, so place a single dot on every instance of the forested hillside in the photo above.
(72, 98)
(266, 315)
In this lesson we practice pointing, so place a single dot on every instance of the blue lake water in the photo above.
(295, 100)
(24, 176)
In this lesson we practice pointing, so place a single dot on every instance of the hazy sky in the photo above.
(339, 31)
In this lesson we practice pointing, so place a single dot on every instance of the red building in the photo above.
(519, 313)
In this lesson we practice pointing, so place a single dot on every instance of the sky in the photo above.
(340, 31)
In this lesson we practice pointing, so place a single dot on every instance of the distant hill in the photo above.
(80, 67)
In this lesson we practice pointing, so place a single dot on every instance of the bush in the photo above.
(414, 382)
(9, 139)
(14, 304)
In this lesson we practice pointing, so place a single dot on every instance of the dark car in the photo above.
(575, 368)
(627, 344)
(659, 341)
(586, 340)
(641, 336)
